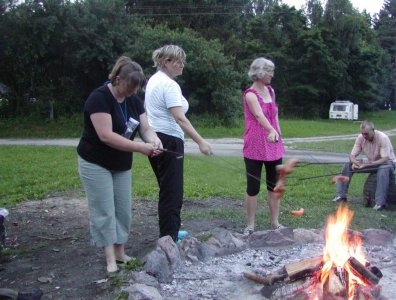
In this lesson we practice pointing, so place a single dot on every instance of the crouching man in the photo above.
(380, 159)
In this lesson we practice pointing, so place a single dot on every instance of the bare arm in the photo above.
(147, 134)
(187, 127)
(103, 126)
(356, 164)
(359, 164)
(255, 109)
(277, 122)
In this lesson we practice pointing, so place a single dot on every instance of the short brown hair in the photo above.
(367, 124)
(128, 70)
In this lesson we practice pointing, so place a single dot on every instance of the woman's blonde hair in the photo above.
(260, 67)
(168, 52)
(128, 70)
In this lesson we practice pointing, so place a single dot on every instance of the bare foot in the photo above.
(112, 267)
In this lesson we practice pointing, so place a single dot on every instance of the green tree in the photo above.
(314, 12)
(274, 35)
(355, 50)
(208, 81)
(385, 26)
(55, 54)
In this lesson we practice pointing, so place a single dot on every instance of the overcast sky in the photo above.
(372, 6)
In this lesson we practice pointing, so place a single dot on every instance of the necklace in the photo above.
(113, 92)
(124, 111)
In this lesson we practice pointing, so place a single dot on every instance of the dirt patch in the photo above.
(51, 249)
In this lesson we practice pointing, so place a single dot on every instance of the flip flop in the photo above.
(114, 274)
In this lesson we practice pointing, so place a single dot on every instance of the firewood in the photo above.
(334, 284)
(303, 268)
(266, 280)
(361, 270)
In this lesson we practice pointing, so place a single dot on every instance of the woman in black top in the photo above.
(112, 117)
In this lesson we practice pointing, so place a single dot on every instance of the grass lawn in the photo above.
(72, 127)
(332, 146)
(35, 172)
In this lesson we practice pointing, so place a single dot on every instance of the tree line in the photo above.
(54, 52)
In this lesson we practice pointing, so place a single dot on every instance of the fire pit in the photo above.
(342, 272)
(288, 263)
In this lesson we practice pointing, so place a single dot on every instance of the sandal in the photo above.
(280, 226)
(248, 230)
(123, 261)
(114, 274)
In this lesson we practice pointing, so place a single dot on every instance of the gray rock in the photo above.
(378, 237)
(138, 291)
(143, 278)
(223, 242)
(271, 238)
(306, 235)
(194, 250)
(158, 266)
(168, 246)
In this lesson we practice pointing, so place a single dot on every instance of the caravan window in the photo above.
(339, 107)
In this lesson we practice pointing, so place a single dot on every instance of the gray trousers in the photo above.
(383, 175)
(109, 203)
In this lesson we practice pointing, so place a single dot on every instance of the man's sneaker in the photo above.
(379, 207)
(340, 199)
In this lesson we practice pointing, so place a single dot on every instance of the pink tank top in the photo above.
(255, 145)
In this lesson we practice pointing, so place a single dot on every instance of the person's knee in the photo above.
(385, 170)
(347, 167)
(253, 191)
(270, 188)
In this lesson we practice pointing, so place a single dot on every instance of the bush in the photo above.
(208, 82)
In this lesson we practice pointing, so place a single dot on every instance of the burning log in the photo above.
(290, 272)
(336, 283)
(266, 280)
(303, 268)
(358, 268)
(367, 293)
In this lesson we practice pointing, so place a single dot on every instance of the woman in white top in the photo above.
(166, 108)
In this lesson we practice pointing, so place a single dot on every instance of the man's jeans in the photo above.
(383, 175)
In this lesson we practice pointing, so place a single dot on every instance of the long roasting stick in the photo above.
(333, 174)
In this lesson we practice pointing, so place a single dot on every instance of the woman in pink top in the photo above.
(262, 140)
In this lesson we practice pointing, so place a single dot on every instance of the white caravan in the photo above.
(343, 109)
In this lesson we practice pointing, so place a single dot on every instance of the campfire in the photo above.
(342, 272)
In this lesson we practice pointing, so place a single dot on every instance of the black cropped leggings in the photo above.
(253, 174)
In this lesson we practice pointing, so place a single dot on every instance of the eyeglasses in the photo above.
(367, 133)
(270, 72)
(177, 62)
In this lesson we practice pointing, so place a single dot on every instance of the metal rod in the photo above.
(364, 170)
(179, 154)
(230, 166)
(304, 164)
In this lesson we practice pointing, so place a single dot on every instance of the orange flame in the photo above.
(339, 247)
